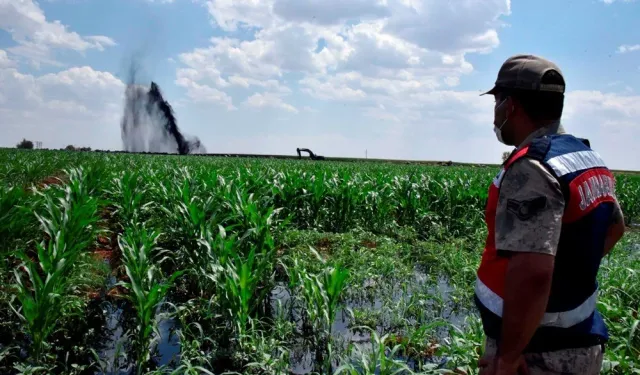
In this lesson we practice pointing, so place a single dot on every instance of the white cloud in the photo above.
(390, 63)
(5, 62)
(329, 12)
(334, 88)
(452, 81)
(78, 106)
(205, 94)
(466, 26)
(380, 113)
(36, 36)
(378, 50)
(615, 106)
(232, 56)
(625, 48)
(613, 1)
(231, 14)
(609, 120)
(259, 100)
(463, 26)
(100, 42)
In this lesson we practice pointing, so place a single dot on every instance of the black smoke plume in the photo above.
(149, 124)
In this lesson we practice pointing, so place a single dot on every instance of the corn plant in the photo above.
(628, 193)
(334, 282)
(239, 284)
(379, 360)
(241, 281)
(16, 218)
(193, 360)
(254, 218)
(463, 346)
(254, 254)
(321, 295)
(147, 289)
(321, 292)
(26, 369)
(269, 353)
(129, 195)
(43, 283)
(619, 303)
(189, 218)
(208, 262)
(232, 225)
(236, 270)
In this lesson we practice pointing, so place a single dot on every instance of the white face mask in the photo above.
(498, 130)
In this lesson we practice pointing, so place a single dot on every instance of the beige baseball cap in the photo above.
(525, 72)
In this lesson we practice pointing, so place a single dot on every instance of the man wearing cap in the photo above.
(551, 216)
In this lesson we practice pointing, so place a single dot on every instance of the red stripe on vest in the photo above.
(493, 268)
(587, 191)
(520, 153)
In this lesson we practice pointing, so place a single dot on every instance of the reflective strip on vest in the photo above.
(498, 180)
(575, 161)
(564, 319)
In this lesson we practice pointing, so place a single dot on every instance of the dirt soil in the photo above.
(59, 178)
(369, 244)
(323, 246)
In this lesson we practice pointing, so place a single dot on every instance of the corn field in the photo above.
(140, 264)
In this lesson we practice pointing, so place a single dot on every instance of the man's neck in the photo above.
(554, 127)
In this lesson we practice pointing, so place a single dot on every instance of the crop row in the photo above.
(256, 265)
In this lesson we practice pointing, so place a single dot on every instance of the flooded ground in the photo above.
(433, 297)
(113, 353)
(343, 328)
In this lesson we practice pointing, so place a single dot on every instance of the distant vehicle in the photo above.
(311, 154)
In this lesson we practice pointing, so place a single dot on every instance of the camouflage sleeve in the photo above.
(530, 209)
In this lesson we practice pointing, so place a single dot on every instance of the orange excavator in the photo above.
(311, 154)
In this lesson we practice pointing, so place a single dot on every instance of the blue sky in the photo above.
(398, 78)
